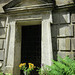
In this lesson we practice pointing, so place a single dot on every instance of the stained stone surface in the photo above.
(56, 17)
(65, 30)
(64, 44)
(54, 30)
(2, 32)
(1, 43)
(64, 17)
(1, 54)
(73, 43)
(64, 54)
(64, 2)
(73, 17)
(54, 43)
(74, 30)
(62, 30)
(2, 22)
(61, 17)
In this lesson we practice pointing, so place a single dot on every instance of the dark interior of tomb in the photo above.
(31, 46)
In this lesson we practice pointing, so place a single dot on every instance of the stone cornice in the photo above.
(65, 7)
(31, 7)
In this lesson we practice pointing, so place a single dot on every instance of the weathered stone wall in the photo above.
(2, 38)
(64, 2)
(63, 34)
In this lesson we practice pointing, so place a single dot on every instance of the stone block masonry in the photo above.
(2, 39)
(61, 17)
(64, 30)
(63, 34)
(73, 43)
(64, 44)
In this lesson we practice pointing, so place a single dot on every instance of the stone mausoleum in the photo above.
(35, 31)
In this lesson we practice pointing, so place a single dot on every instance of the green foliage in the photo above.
(8, 74)
(1, 73)
(64, 66)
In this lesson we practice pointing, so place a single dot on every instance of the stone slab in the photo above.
(65, 30)
(1, 43)
(64, 54)
(1, 54)
(2, 32)
(74, 30)
(61, 17)
(62, 30)
(73, 17)
(63, 2)
(64, 17)
(73, 43)
(64, 44)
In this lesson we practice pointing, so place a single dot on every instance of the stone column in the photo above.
(47, 54)
(10, 56)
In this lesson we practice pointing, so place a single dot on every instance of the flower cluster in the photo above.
(22, 64)
(25, 69)
(31, 65)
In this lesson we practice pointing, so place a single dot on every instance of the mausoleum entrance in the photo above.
(31, 45)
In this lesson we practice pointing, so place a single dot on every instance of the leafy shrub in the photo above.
(64, 66)
(1, 73)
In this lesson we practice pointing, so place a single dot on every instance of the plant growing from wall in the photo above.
(65, 66)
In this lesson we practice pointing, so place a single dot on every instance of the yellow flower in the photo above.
(31, 65)
(22, 64)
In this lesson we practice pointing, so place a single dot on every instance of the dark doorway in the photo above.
(31, 46)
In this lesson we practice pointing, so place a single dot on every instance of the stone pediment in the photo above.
(30, 2)
(21, 3)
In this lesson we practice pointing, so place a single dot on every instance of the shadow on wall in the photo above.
(49, 1)
(74, 1)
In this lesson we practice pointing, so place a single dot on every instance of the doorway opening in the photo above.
(31, 46)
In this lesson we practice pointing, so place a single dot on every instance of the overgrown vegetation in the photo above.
(1, 73)
(64, 66)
